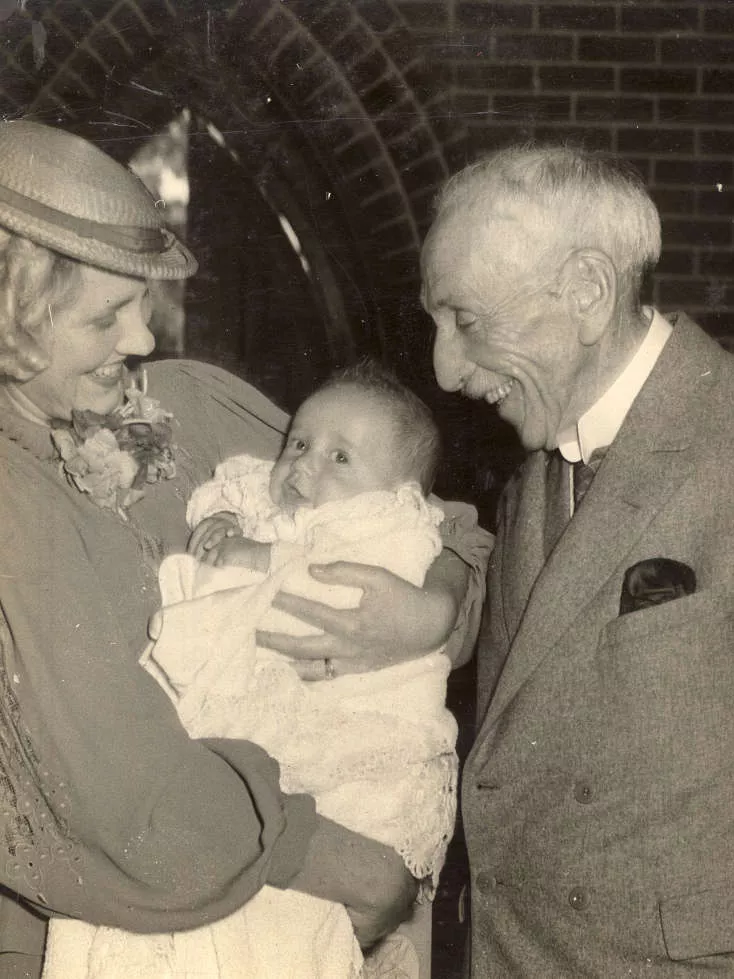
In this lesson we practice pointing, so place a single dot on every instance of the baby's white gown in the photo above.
(376, 750)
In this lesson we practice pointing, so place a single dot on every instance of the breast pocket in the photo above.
(666, 686)
(687, 613)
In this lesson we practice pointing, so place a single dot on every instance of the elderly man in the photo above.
(599, 796)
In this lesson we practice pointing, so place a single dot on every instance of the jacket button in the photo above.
(579, 898)
(485, 882)
(583, 792)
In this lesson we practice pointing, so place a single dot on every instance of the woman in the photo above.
(110, 812)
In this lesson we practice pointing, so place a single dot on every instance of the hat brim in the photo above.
(175, 261)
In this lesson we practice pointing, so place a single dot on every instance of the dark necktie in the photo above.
(557, 500)
(557, 492)
(583, 475)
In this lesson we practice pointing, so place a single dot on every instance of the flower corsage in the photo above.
(112, 457)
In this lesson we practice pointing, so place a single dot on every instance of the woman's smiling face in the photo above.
(104, 322)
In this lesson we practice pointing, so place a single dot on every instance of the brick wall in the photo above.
(402, 91)
(650, 81)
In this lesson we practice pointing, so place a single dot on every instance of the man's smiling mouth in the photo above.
(109, 371)
(497, 394)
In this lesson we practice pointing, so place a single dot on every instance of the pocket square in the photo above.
(654, 581)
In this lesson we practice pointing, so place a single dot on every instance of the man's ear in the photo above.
(589, 282)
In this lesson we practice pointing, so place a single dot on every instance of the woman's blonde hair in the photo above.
(33, 280)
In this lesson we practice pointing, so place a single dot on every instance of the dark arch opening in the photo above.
(266, 302)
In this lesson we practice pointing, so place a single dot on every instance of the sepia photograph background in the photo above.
(297, 146)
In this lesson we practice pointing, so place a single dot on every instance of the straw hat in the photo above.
(62, 192)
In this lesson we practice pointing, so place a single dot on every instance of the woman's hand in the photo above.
(394, 621)
(367, 877)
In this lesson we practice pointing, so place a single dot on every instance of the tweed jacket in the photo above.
(598, 799)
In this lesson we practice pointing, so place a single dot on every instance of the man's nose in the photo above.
(449, 363)
(136, 338)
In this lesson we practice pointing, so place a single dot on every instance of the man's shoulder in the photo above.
(695, 339)
(717, 362)
(692, 384)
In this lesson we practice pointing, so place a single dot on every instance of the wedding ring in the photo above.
(329, 671)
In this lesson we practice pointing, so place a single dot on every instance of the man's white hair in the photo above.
(574, 198)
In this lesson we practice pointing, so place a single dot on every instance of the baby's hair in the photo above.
(415, 428)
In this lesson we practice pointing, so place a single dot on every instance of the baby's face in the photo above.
(340, 443)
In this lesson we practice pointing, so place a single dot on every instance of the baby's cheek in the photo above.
(330, 490)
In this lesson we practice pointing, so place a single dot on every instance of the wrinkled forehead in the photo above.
(466, 246)
(478, 240)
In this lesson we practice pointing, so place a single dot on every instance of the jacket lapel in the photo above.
(522, 553)
(650, 458)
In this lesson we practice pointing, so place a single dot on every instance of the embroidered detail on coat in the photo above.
(34, 802)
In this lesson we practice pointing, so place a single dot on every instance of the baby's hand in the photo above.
(210, 533)
(240, 552)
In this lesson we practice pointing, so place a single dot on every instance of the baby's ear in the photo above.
(589, 281)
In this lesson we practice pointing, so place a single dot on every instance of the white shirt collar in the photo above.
(598, 427)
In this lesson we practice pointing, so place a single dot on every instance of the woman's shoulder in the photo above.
(224, 413)
(189, 380)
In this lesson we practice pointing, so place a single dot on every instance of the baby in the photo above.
(362, 448)
(360, 432)
(376, 750)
